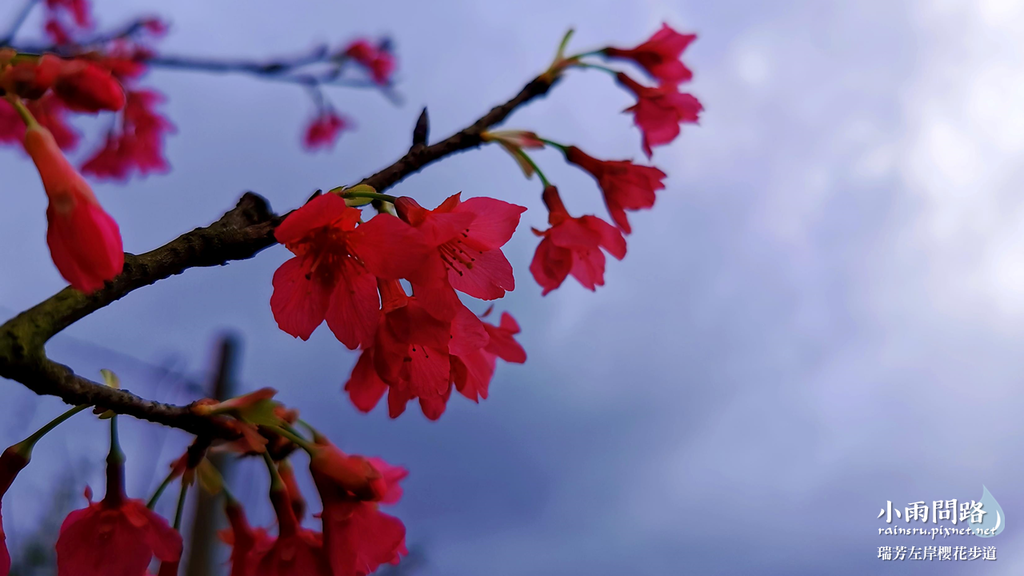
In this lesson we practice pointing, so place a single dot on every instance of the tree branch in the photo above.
(18, 21)
(239, 234)
(288, 70)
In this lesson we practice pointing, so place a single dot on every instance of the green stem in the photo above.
(26, 445)
(298, 440)
(275, 477)
(115, 468)
(116, 454)
(180, 511)
(597, 67)
(318, 438)
(585, 54)
(307, 426)
(295, 431)
(228, 496)
(533, 165)
(565, 42)
(561, 147)
(160, 490)
(370, 195)
(26, 115)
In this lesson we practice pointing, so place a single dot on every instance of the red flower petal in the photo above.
(472, 374)
(352, 314)
(137, 146)
(51, 114)
(624, 185)
(573, 246)
(364, 387)
(390, 248)
(297, 550)
(392, 475)
(494, 224)
(247, 545)
(659, 111)
(468, 237)
(488, 279)
(551, 265)
(659, 55)
(501, 342)
(104, 540)
(377, 60)
(609, 237)
(359, 538)
(86, 87)
(588, 268)
(300, 299)
(324, 210)
(5, 556)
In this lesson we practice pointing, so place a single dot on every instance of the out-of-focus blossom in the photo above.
(79, 10)
(137, 146)
(324, 130)
(378, 60)
(248, 544)
(85, 87)
(117, 536)
(296, 551)
(358, 537)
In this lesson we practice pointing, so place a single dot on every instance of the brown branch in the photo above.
(240, 234)
(293, 70)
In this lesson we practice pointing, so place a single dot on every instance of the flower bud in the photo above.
(84, 241)
(31, 79)
(86, 87)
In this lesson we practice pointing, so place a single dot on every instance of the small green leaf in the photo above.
(261, 413)
(209, 477)
(518, 157)
(110, 379)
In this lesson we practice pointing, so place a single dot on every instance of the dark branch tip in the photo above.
(422, 130)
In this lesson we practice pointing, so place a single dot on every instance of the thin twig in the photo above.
(289, 70)
(19, 20)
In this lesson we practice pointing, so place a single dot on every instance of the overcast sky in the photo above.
(824, 311)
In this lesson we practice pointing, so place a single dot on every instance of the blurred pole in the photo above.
(207, 517)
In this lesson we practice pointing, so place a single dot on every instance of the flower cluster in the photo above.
(102, 72)
(390, 285)
(356, 537)
(103, 76)
(121, 536)
(347, 272)
(377, 61)
(576, 245)
(66, 18)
